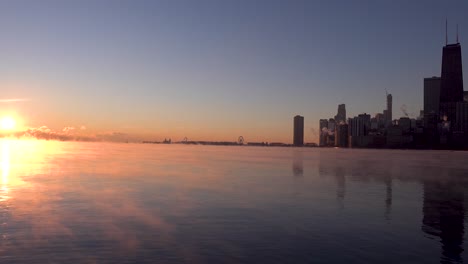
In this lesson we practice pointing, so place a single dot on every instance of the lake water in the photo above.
(140, 203)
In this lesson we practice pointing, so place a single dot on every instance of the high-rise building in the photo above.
(431, 95)
(421, 114)
(380, 119)
(331, 125)
(451, 86)
(366, 119)
(431, 101)
(452, 74)
(331, 132)
(465, 96)
(341, 135)
(341, 115)
(374, 124)
(389, 116)
(323, 132)
(358, 127)
(462, 117)
(350, 127)
(298, 131)
(405, 124)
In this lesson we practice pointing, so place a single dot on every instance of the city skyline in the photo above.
(442, 124)
(215, 71)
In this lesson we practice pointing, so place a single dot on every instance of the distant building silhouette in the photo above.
(394, 136)
(443, 124)
(461, 117)
(350, 126)
(405, 124)
(331, 125)
(380, 118)
(374, 124)
(298, 131)
(356, 127)
(389, 112)
(451, 87)
(358, 130)
(331, 132)
(341, 135)
(323, 132)
(431, 101)
(366, 119)
(341, 115)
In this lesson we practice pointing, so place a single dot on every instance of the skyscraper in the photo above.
(461, 117)
(431, 95)
(366, 121)
(331, 125)
(431, 102)
(298, 131)
(389, 116)
(341, 135)
(323, 132)
(341, 115)
(358, 127)
(451, 86)
(331, 132)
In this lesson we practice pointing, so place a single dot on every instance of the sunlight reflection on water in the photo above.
(5, 170)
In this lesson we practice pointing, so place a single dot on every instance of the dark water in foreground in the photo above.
(129, 203)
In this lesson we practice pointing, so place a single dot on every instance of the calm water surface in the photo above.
(134, 203)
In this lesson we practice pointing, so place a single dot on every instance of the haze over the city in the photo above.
(215, 70)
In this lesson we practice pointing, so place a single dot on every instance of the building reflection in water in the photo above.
(443, 204)
(298, 163)
(443, 217)
(337, 168)
(388, 197)
(340, 184)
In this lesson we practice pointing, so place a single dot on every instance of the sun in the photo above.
(7, 123)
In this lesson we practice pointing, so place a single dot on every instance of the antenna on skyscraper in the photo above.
(457, 34)
(446, 34)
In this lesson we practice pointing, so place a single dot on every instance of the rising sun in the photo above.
(7, 123)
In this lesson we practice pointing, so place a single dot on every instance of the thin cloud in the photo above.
(14, 100)
(66, 134)
(68, 129)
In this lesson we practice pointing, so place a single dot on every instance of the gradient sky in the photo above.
(214, 70)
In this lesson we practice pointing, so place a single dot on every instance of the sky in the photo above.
(215, 70)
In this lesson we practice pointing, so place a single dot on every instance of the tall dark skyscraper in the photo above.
(431, 102)
(431, 95)
(298, 131)
(452, 74)
(389, 115)
(341, 135)
(451, 86)
(341, 115)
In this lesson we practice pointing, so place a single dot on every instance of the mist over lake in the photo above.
(139, 203)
